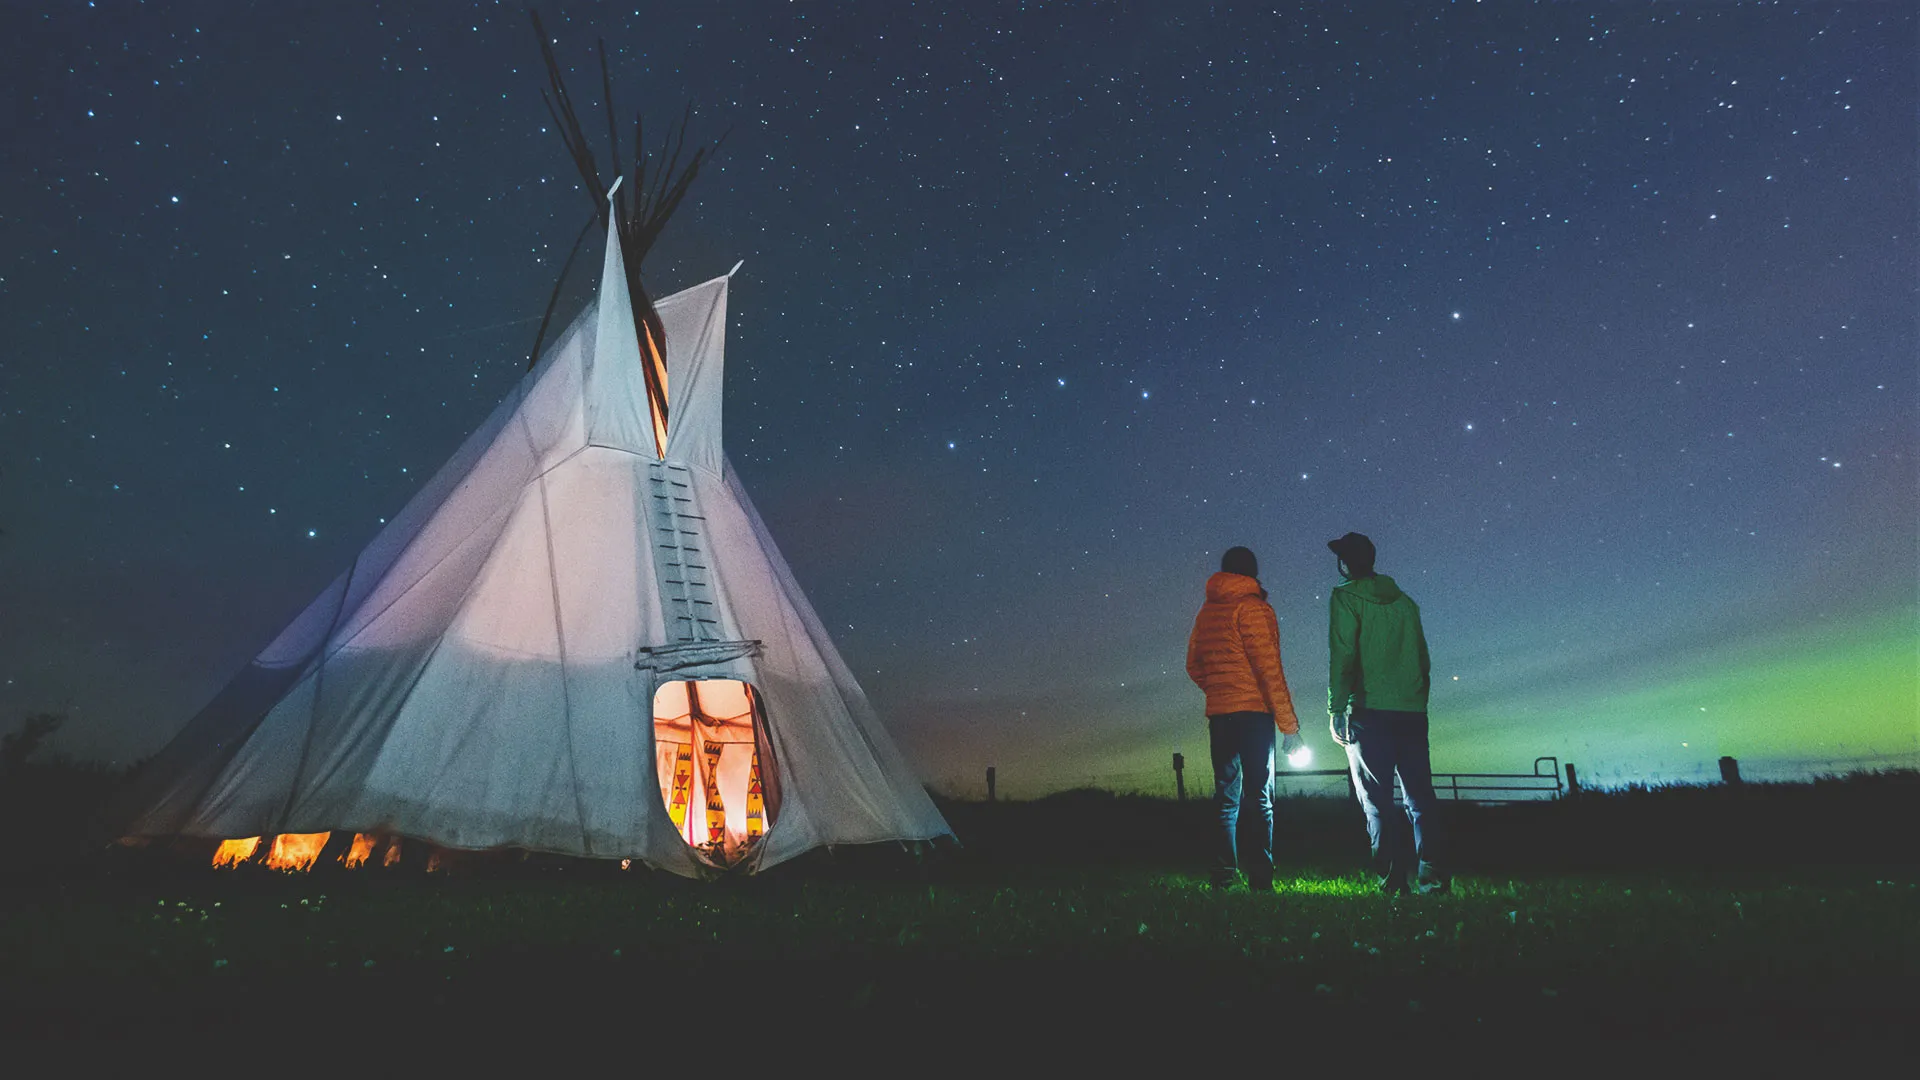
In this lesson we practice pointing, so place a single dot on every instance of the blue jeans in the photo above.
(1242, 746)
(1388, 743)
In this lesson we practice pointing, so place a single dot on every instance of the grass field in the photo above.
(1077, 913)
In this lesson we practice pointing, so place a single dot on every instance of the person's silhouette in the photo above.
(1233, 655)
(1378, 668)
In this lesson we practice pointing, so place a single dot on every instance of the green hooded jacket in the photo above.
(1376, 651)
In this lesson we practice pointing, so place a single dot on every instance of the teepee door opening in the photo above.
(716, 766)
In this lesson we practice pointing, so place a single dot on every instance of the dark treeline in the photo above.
(52, 802)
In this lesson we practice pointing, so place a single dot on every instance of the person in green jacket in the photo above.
(1378, 676)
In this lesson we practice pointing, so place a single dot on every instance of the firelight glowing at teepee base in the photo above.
(296, 851)
(232, 853)
(360, 852)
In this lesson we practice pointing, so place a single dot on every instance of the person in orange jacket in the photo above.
(1233, 655)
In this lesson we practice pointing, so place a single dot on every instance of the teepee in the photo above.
(566, 642)
(578, 638)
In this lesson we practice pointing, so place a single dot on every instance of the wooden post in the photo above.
(1180, 776)
(989, 783)
(1573, 780)
(1729, 771)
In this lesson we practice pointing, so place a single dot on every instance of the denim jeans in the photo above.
(1404, 844)
(1242, 746)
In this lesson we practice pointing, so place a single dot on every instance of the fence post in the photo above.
(1180, 776)
(1573, 780)
(1729, 771)
(989, 783)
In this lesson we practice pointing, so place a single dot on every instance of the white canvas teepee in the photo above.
(490, 671)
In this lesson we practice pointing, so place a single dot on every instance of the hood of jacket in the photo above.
(1225, 588)
(1378, 589)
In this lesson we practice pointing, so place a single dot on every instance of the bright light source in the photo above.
(1301, 758)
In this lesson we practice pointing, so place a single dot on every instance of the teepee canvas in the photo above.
(577, 638)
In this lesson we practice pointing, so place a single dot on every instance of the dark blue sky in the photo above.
(1599, 318)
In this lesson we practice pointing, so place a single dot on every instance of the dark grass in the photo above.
(1766, 921)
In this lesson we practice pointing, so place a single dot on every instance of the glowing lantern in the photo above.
(1301, 758)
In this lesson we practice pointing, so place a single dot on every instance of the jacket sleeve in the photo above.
(1260, 635)
(1193, 655)
(1343, 654)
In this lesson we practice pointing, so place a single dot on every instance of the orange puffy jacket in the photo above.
(1233, 653)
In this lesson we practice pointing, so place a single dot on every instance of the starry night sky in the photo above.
(1599, 318)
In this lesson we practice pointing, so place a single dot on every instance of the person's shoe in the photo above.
(1392, 887)
(1260, 888)
(1431, 880)
(1224, 882)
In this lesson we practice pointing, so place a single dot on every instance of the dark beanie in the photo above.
(1239, 560)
